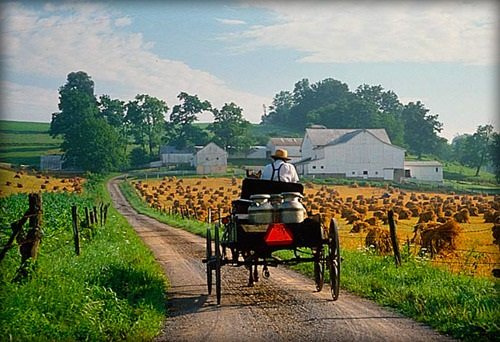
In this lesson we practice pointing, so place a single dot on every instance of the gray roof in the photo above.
(286, 141)
(322, 136)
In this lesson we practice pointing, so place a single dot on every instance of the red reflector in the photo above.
(225, 220)
(278, 234)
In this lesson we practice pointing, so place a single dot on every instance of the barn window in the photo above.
(365, 172)
(354, 172)
(376, 172)
(217, 158)
(436, 169)
(314, 166)
(206, 158)
(322, 167)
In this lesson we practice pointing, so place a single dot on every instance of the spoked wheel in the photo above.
(334, 259)
(209, 261)
(319, 269)
(217, 264)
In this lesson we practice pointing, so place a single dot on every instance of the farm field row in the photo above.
(14, 182)
(472, 251)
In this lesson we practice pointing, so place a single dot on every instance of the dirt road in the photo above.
(284, 307)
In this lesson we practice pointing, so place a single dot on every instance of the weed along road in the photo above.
(284, 307)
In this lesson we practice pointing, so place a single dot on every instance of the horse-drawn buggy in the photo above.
(269, 217)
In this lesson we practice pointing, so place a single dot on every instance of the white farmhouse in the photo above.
(51, 162)
(351, 153)
(428, 171)
(292, 145)
(210, 159)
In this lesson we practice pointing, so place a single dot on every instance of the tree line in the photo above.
(330, 103)
(97, 132)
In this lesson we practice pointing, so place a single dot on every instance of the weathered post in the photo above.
(394, 238)
(76, 235)
(87, 217)
(29, 243)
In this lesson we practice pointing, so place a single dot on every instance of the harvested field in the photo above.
(473, 250)
(13, 182)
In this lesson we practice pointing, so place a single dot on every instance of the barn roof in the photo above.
(321, 137)
(285, 141)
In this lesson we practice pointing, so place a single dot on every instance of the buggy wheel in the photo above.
(319, 269)
(217, 264)
(209, 261)
(334, 259)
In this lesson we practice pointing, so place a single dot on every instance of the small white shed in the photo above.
(429, 171)
(210, 159)
(51, 162)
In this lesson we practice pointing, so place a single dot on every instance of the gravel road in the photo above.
(284, 307)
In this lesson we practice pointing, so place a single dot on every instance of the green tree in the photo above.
(420, 129)
(113, 111)
(146, 115)
(230, 128)
(279, 111)
(180, 130)
(89, 142)
(474, 150)
(495, 154)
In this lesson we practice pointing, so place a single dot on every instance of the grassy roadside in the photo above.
(461, 306)
(113, 291)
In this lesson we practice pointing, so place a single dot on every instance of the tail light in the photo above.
(278, 234)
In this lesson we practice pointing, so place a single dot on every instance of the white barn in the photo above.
(428, 171)
(292, 145)
(351, 153)
(210, 159)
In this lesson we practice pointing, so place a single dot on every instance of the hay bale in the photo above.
(379, 239)
(427, 216)
(462, 216)
(438, 238)
(359, 226)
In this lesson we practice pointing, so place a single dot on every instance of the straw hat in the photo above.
(280, 154)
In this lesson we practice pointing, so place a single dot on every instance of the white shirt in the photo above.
(287, 172)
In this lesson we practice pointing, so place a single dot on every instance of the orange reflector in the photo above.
(278, 234)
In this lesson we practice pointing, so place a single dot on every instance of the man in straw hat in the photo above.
(279, 170)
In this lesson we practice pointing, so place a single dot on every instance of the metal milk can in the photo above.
(276, 200)
(260, 211)
(292, 210)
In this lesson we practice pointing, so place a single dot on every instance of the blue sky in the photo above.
(442, 53)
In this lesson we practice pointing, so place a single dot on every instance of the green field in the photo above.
(22, 143)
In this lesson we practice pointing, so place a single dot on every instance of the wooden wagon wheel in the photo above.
(209, 261)
(319, 268)
(334, 259)
(217, 264)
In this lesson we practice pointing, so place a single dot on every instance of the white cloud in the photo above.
(371, 31)
(123, 21)
(34, 103)
(52, 43)
(231, 21)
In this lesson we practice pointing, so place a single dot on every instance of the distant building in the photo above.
(211, 159)
(51, 162)
(429, 171)
(170, 155)
(292, 145)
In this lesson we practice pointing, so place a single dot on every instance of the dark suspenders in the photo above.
(274, 170)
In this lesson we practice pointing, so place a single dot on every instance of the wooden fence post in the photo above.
(76, 235)
(95, 215)
(28, 245)
(87, 217)
(394, 238)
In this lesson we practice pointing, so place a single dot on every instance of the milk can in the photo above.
(276, 200)
(260, 211)
(292, 210)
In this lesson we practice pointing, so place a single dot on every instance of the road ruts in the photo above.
(284, 307)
